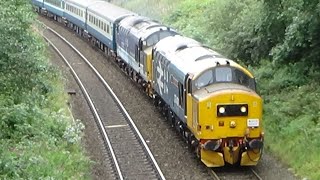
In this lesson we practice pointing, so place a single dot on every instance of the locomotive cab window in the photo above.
(224, 74)
(154, 38)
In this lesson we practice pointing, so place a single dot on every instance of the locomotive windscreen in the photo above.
(224, 74)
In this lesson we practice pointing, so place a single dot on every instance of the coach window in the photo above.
(108, 29)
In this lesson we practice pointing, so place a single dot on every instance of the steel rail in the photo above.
(216, 176)
(118, 102)
(92, 107)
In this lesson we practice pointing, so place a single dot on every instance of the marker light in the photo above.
(222, 110)
(243, 109)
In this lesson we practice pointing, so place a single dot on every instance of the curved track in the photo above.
(129, 156)
(239, 173)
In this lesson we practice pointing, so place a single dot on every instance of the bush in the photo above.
(38, 138)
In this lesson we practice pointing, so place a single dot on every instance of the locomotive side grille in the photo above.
(232, 110)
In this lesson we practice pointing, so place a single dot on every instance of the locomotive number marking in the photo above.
(253, 122)
(159, 81)
(162, 79)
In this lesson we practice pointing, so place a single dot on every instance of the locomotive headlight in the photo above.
(222, 110)
(243, 109)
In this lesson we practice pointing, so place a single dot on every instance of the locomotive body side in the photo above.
(168, 77)
(136, 36)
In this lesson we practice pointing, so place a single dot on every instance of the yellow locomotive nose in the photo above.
(235, 116)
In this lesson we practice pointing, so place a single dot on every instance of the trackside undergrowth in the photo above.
(38, 137)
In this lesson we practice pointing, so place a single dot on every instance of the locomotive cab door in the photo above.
(187, 96)
(185, 93)
(137, 55)
(191, 113)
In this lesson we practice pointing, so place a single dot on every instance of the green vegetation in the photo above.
(280, 41)
(38, 138)
(155, 9)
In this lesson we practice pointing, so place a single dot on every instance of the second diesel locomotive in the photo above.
(210, 100)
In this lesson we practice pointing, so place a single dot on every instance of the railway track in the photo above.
(239, 173)
(128, 154)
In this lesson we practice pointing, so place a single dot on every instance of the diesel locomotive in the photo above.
(211, 100)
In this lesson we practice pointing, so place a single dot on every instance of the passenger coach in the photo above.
(102, 21)
(75, 13)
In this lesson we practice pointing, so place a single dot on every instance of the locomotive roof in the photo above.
(82, 3)
(109, 11)
(142, 27)
(190, 56)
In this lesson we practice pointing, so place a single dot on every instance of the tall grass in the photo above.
(155, 9)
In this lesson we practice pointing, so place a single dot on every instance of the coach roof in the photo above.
(82, 3)
(108, 11)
